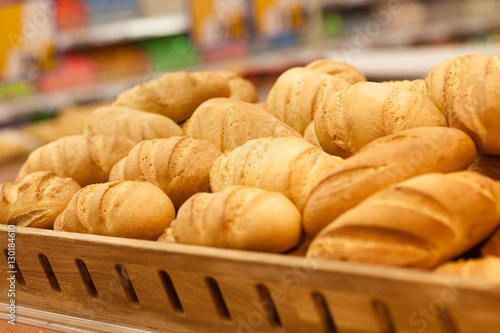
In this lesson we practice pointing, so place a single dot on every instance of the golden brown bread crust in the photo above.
(121, 209)
(37, 200)
(241, 89)
(175, 95)
(179, 166)
(476, 111)
(484, 268)
(366, 111)
(417, 86)
(238, 217)
(290, 166)
(133, 124)
(420, 222)
(298, 93)
(383, 162)
(88, 159)
(310, 135)
(340, 70)
(229, 124)
(448, 78)
(487, 165)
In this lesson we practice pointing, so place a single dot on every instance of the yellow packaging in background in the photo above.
(26, 39)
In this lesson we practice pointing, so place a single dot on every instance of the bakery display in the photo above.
(421, 222)
(290, 166)
(128, 209)
(332, 167)
(88, 159)
(298, 93)
(37, 200)
(229, 124)
(384, 162)
(365, 111)
(133, 124)
(238, 217)
(179, 166)
(175, 95)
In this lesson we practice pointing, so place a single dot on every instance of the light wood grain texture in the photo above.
(178, 288)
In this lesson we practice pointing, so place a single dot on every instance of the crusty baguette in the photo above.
(134, 124)
(37, 200)
(310, 135)
(298, 93)
(241, 89)
(365, 111)
(340, 70)
(488, 165)
(476, 111)
(420, 222)
(483, 268)
(383, 162)
(448, 78)
(229, 124)
(238, 217)
(175, 95)
(121, 209)
(179, 166)
(88, 159)
(288, 165)
(417, 86)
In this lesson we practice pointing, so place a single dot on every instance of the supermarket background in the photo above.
(60, 57)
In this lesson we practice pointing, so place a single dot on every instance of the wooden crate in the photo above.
(175, 288)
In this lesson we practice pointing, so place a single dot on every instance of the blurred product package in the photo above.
(27, 39)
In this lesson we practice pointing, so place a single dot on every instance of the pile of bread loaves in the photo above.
(331, 167)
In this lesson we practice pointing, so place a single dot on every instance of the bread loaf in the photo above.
(37, 200)
(417, 86)
(290, 166)
(487, 165)
(229, 124)
(492, 246)
(483, 268)
(420, 222)
(365, 111)
(179, 166)
(134, 124)
(121, 209)
(340, 70)
(238, 217)
(241, 89)
(383, 162)
(175, 95)
(88, 159)
(310, 135)
(448, 78)
(297, 94)
(476, 111)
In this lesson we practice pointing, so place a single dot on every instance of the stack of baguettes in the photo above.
(334, 167)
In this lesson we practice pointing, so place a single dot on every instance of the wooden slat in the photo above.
(174, 288)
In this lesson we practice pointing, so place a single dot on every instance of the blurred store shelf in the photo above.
(406, 62)
(50, 102)
(376, 63)
(122, 31)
